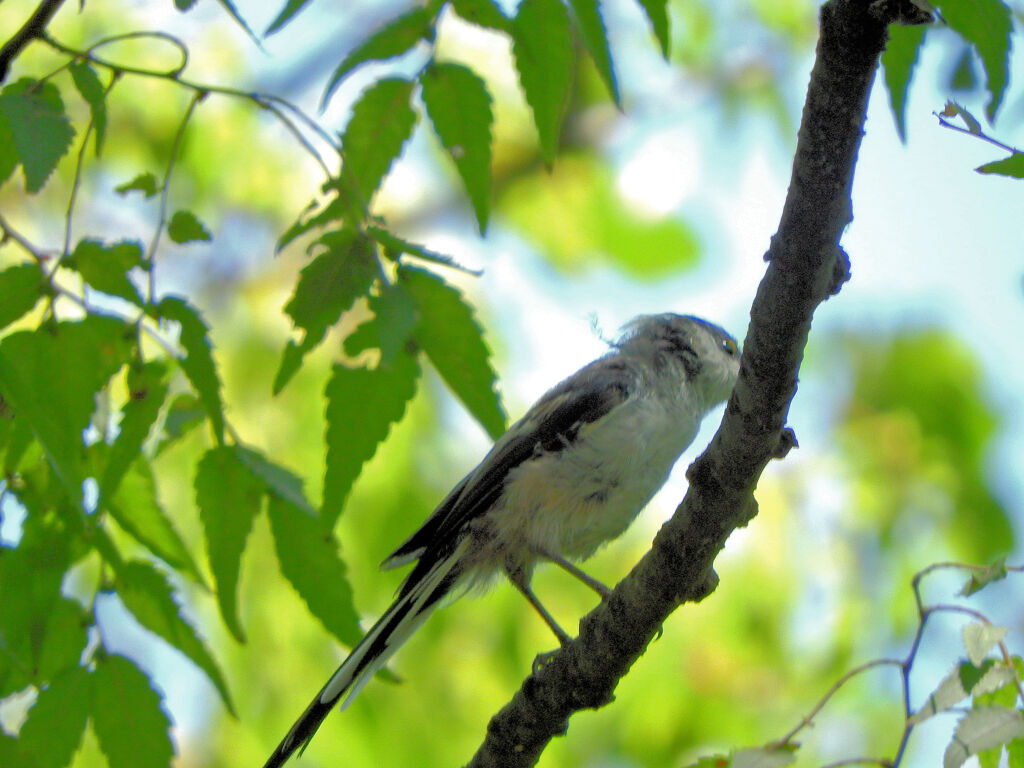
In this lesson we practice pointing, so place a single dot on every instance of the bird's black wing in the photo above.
(549, 426)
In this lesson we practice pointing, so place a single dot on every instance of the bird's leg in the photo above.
(521, 581)
(580, 574)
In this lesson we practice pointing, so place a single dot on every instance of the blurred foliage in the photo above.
(796, 607)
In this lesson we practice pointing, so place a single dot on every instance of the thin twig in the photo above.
(263, 101)
(162, 218)
(977, 134)
(809, 717)
(34, 28)
(78, 173)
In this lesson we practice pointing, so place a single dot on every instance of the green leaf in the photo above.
(136, 508)
(327, 287)
(1012, 166)
(394, 318)
(987, 25)
(899, 59)
(88, 84)
(449, 334)
(184, 227)
(980, 729)
(184, 414)
(20, 289)
(484, 13)
(394, 39)
(1015, 754)
(147, 389)
(309, 560)
(395, 246)
(228, 6)
(144, 591)
(981, 638)
(184, 5)
(106, 267)
(63, 641)
(291, 9)
(362, 404)
(331, 282)
(542, 46)
(229, 498)
(8, 152)
(278, 480)
(310, 218)
(658, 16)
(144, 183)
(382, 121)
(58, 407)
(460, 109)
(198, 363)
(589, 17)
(979, 579)
(40, 131)
(55, 724)
(130, 725)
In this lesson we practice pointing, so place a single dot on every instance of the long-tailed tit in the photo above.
(569, 476)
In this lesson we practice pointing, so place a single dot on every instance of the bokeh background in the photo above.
(910, 411)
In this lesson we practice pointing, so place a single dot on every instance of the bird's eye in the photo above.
(730, 347)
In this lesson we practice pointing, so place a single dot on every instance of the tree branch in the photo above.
(30, 30)
(805, 266)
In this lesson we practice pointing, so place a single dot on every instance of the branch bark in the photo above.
(30, 30)
(805, 266)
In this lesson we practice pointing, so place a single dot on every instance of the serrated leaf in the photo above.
(899, 59)
(596, 38)
(395, 246)
(286, 14)
(310, 218)
(184, 414)
(981, 638)
(88, 84)
(291, 361)
(147, 389)
(229, 498)
(451, 338)
(309, 560)
(144, 591)
(184, 227)
(988, 26)
(1012, 166)
(393, 39)
(20, 290)
(130, 725)
(460, 109)
(980, 729)
(40, 131)
(8, 153)
(198, 363)
(136, 508)
(331, 282)
(57, 407)
(542, 46)
(278, 480)
(394, 318)
(55, 724)
(144, 183)
(956, 686)
(63, 640)
(484, 13)
(106, 267)
(382, 121)
(362, 404)
(657, 14)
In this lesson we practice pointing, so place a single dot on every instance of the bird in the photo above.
(568, 477)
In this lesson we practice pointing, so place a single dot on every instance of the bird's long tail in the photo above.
(397, 624)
